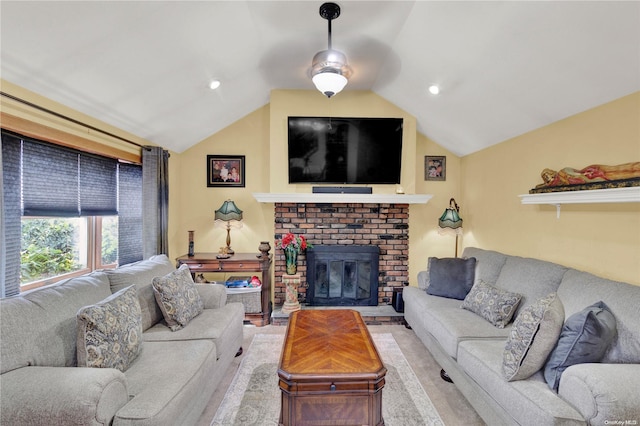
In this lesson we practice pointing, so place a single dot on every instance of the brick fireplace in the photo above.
(385, 225)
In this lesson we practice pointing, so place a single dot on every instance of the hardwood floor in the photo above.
(451, 405)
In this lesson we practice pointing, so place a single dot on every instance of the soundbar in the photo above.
(341, 190)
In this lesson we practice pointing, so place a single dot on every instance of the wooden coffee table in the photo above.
(330, 372)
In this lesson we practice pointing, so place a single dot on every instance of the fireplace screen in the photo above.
(342, 275)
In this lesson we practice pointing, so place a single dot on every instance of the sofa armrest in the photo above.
(213, 295)
(61, 395)
(603, 393)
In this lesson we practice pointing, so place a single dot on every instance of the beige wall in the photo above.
(600, 238)
(192, 203)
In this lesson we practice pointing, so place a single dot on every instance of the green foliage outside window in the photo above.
(109, 240)
(47, 249)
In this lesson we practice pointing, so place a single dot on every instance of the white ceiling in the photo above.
(504, 68)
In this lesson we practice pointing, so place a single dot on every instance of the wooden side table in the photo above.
(239, 262)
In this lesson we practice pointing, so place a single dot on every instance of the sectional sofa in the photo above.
(168, 381)
(476, 354)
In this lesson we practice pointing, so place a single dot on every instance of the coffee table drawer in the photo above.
(331, 410)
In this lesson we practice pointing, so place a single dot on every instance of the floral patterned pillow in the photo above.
(178, 297)
(493, 304)
(534, 335)
(110, 332)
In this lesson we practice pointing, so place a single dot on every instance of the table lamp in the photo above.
(450, 221)
(228, 216)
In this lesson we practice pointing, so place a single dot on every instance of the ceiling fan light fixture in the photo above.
(329, 83)
(329, 69)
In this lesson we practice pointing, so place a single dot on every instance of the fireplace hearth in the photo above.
(342, 276)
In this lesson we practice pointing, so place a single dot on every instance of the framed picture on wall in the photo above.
(435, 167)
(225, 170)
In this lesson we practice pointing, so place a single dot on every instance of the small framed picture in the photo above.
(435, 167)
(225, 170)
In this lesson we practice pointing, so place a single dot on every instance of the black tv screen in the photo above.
(348, 150)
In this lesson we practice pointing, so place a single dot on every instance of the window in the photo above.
(66, 212)
(55, 248)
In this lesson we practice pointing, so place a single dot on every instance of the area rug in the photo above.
(253, 398)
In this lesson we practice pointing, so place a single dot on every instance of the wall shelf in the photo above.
(296, 197)
(612, 195)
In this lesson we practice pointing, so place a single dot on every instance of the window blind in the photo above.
(130, 215)
(10, 219)
(98, 186)
(57, 181)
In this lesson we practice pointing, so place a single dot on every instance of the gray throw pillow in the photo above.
(178, 297)
(110, 332)
(451, 277)
(534, 334)
(493, 304)
(585, 337)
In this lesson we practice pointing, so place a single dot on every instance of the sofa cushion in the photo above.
(451, 277)
(178, 297)
(222, 325)
(532, 278)
(579, 289)
(110, 332)
(529, 402)
(164, 381)
(534, 334)
(38, 327)
(488, 263)
(585, 337)
(141, 274)
(493, 304)
(446, 322)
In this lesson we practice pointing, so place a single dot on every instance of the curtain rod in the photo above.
(73, 120)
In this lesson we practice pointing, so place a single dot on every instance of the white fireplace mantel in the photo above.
(299, 197)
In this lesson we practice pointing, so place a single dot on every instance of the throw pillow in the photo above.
(585, 337)
(534, 334)
(110, 332)
(451, 277)
(178, 297)
(493, 304)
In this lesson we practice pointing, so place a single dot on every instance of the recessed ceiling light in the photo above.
(434, 90)
(214, 84)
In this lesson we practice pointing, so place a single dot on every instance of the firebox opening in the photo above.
(342, 275)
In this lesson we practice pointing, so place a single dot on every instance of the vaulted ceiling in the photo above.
(504, 68)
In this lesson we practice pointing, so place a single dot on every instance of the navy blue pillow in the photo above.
(451, 277)
(585, 337)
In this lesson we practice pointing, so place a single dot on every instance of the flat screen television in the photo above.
(344, 150)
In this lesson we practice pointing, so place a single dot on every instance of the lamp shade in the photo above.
(228, 211)
(450, 218)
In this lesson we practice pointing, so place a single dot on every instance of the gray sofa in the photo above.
(169, 383)
(470, 349)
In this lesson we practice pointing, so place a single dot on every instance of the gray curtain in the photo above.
(3, 249)
(155, 201)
